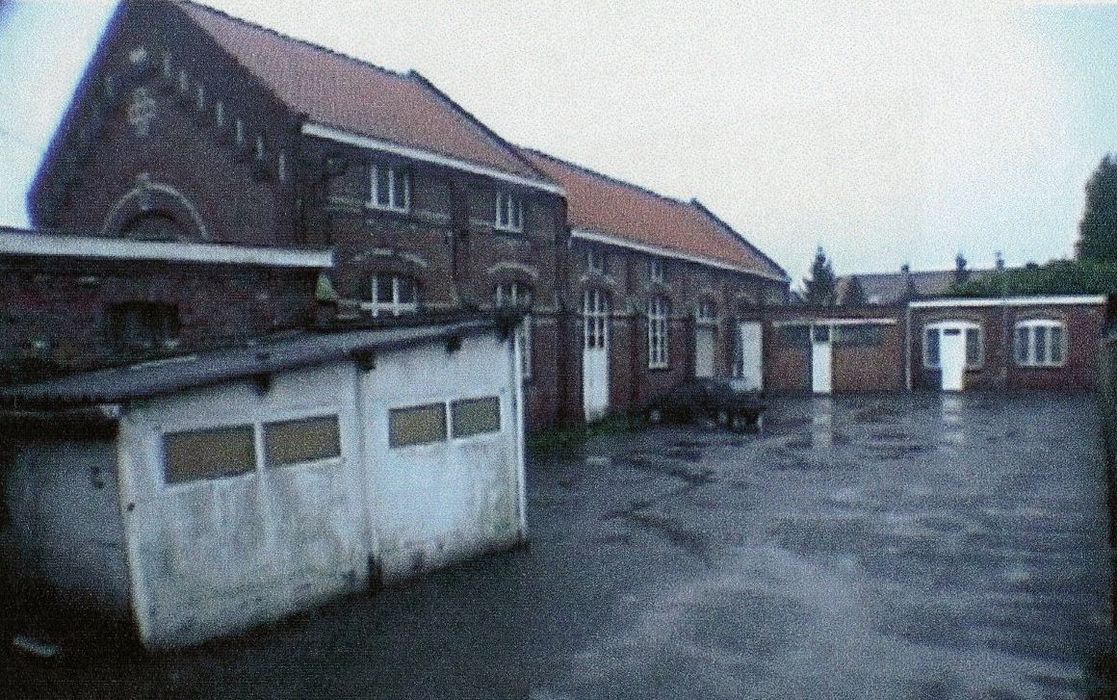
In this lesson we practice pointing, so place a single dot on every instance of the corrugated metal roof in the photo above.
(174, 374)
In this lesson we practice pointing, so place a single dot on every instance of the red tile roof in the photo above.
(601, 204)
(357, 97)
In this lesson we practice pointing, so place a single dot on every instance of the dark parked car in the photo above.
(714, 400)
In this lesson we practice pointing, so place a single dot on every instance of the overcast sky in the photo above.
(883, 132)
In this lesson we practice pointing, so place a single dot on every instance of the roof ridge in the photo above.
(287, 37)
(495, 137)
(736, 235)
(608, 178)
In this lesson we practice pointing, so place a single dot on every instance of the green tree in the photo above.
(1054, 277)
(820, 285)
(854, 294)
(1098, 228)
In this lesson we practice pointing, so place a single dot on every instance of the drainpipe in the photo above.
(907, 345)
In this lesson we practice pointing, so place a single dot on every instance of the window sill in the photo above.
(659, 368)
(387, 210)
(1039, 366)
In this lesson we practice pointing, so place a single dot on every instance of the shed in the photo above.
(206, 494)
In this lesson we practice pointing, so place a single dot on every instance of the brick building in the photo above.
(195, 127)
(950, 344)
(659, 285)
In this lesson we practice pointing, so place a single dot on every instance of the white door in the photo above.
(952, 358)
(749, 368)
(821, 359)
(704, 351)
(595, 353)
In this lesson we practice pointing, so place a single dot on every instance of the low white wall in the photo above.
(65, 522)
(431, 505)
(216, 556)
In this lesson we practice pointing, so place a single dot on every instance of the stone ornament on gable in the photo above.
(141, 112)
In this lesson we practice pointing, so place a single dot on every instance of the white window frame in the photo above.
(219, 113)
(656, 270)
(518, 295)
(595, 319)
(1033, 328)
(240, 131)
(595, 261)
(659, 309)
(281, 166)
(200, 97)
(376, 171)
(509, 214)
(260, 149)
(257, 424)
(395, 307)
(965, 327)
(707, 312)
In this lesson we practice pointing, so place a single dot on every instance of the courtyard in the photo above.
(903, 546)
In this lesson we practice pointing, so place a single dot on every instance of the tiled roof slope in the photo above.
(357, 97)
(601, 204)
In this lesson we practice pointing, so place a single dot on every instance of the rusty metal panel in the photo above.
(208, 454)
(475, 416)
(301, 440)
(417, 425)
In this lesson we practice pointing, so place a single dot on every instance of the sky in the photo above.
(887, 133)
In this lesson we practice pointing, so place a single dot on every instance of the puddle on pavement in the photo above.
(683, 453)
(898, 451)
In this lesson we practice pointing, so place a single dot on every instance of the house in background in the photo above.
(947, 344)
(890, 288)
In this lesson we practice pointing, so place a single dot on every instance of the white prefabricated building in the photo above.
(236, 487)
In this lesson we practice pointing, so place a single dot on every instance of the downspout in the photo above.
(907, 345)
(520, 466)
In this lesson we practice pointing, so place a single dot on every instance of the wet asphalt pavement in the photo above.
(877, 547)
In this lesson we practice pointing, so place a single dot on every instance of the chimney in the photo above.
(906, 268)
(1000, 261)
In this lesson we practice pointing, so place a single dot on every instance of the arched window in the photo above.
(1041, 343)
(392, 295)
(513, 294)
(707, 311)
(154, 227)
(658, 310)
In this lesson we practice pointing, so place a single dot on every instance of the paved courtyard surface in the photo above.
(882, 547)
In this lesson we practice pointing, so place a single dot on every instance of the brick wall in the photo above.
(56, 312)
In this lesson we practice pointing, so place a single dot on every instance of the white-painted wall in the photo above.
(213, 557)
(434, 504)
(65, 524)
(216, 556)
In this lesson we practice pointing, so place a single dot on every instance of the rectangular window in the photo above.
(931, 348)
(475, 416)
(595, 261)
(417, 425)
(656, 270)
(389, 187)
(281, 166)
(219, 113)
(260, 150)
(141, 325)
(240, 132)
(509, 212)
(975, 353)
(392, 294)
(301, 440)
(1057, 345)
(200, 97)
(657, 333)
(208, 454)
(1023, 345)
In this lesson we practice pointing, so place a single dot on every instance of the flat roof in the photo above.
(265, 357)
(21, 242)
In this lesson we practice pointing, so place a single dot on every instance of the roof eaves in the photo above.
(737, 237)
(507, 147)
